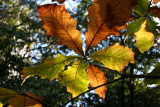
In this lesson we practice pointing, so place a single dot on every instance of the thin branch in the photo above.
(142, 76)
(93, 89)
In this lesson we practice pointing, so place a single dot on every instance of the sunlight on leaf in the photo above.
(114, 57)
(96, 78)
(58, 23)
(50, 68)
(107, 17)
(75, 78)
(144, 39)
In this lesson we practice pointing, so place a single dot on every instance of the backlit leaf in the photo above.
(134, 26)
(75, 78)
(58, 23)
(156, 71)
(144, 39)
(115, 57)
(96, 78)
(19, 100)
(156, 1)
(142, 7)
(155, 10)
(50, 68)
(107, 17)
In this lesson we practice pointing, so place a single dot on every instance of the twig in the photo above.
(93, 89)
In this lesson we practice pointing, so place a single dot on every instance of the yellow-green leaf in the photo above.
(75, 78)
(144, 39)
(50, 68)
(115, 57)
(18, 100)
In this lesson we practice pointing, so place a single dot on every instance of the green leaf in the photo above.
(134, 26)
(115, 57)
(142, 7)
(75, 78)
(152, 25)
(50, 68)
(144, 39)
(155, 71)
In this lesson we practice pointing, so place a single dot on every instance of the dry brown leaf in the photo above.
(156, 1)
(96, 78)
(59, 1)
(107, 17)
(155, 10)
(58, 23)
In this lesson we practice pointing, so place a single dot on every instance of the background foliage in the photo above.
(23, 44)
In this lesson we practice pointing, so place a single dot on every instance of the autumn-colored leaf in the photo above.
(142, 7)
(107, 17)
(96, 78)
(134, 26)
(155, 10)
(155, 71)
(50, 68)
(156, 1)
(144, 38)
(115, 57)
(18, 100)
(58, 23)
(75, 78)
(59, 1)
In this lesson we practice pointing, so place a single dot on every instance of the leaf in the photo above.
(59, 1)
(19, 100)
(152, 26)
(144, 39)
(58, 23)
(115, 57)
(107, 17)
(75, 78)
(156, 1)
(155, 71)
(96, 78)
(155, 10)
(134, 26)
(50, 68)
(142, 7)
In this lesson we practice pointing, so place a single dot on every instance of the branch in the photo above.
(142, 76)
(93, 89)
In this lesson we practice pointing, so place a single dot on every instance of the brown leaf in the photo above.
(107, 17)
(59, 1)
(155, 10)
(96, 78)
(58, 23)
(156, 1)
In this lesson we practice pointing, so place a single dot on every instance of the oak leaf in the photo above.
(58, 23)
(96, 78)
(114, 57)
(75, 78)
(15, 99)
(50, 68)
(107, 17)
(144, 38)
